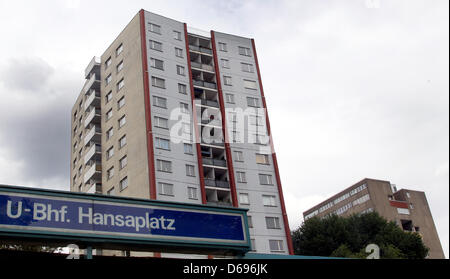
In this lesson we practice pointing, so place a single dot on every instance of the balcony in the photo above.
(209, 103)
(94, 66)
(202, 50)
(201, 66)
(94, 172)
(94, 188)
(214, 162)
(93, 116)
(93, 99)
(205, 84)
(92, 83)
(94, 150)
(94, 134)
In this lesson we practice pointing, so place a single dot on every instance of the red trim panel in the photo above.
(197, 134)
(224, 127)
(274, 158)
(399, 204)
(148, 117)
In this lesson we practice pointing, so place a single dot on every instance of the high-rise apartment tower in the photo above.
(175, 114)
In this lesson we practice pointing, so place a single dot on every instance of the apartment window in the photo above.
(229, 98)
(122, 121)
(124, 183)
(165, 189)
(250, 221)
(158, 82)
(250, 84)
(164, 166)
(188, 149)
(411, 206)
(179, 52)
(192, 193)
(276, 245)
(269, 200)
(109, 133)
(119, 67)
(184, 108)
(225, 63)
(161, 143)
(161, 122)
(108, 79)
(262, 159)
(154, 28)
(120, 84)
(110, 173)
(241, 177)
(159, 102)
(157, 64)
(403, 211)
(108, 63)
(227, 80)
(156, 45)
(110, 191)
(180, 70)
(244, 51)
(273, 223)
(248, 68)
(121, 102)
(238, 156)
(119, 50)
(253, 102)
(222, 46)
(109, 114)
(110, 152)
(109, 96)
(265, 179)
(177, 35)
(123, 162)
(190, 170)
(122, 141)
(243, 198)
(182, 88)
(80, 170)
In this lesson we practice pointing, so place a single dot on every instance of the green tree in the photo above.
(348, 236)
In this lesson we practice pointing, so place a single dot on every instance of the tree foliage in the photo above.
(348, 236)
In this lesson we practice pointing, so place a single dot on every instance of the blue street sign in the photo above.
(28, 211)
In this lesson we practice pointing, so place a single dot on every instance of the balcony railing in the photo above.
(93, 83)
(212, 142)
(214, 162)
(204, 84)
(94, 149)
(201, 66)
(94, 188)
(95, 130)
(217, 183)
(94, 62)
(201, 49)
(95, 169)
(94, 96)
(94, 114)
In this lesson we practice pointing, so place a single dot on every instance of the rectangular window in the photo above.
(190, 170)
(110, 191)
(238, 156)
(182, 88)
(109, 114)
(250, 221)
(403, 211)
(154, 28)
(108, 79)
(180, 70)
(161, 143)
(165, 189)
(124, 183)
(119, 50)
(109, 96)
(110, 173)
(122, 141)
(241, 177)
(222, 46)
(164, 166)
(123, 162)
(262, 159)
(108, 63)
(161, 122)
(184, 107)
(159, 102)
(250, 84)
(229, 98)
(192, 193)
(156, 45)
(121, 102)
(120, 84)
(179, 52)
(109, 133)
(122, 121)
(265, 179)
(253, 102)
(177, 35)
(248, 68)
(276, 245)
(227, 80)
(110, 152)
(273, 223)
(157, 64)
(243, 198)
(158, 82)
(225, 63)
(119, 67)
(269, 200)
(244, 51)
(188, 149)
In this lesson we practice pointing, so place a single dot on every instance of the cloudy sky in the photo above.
(355, 88)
